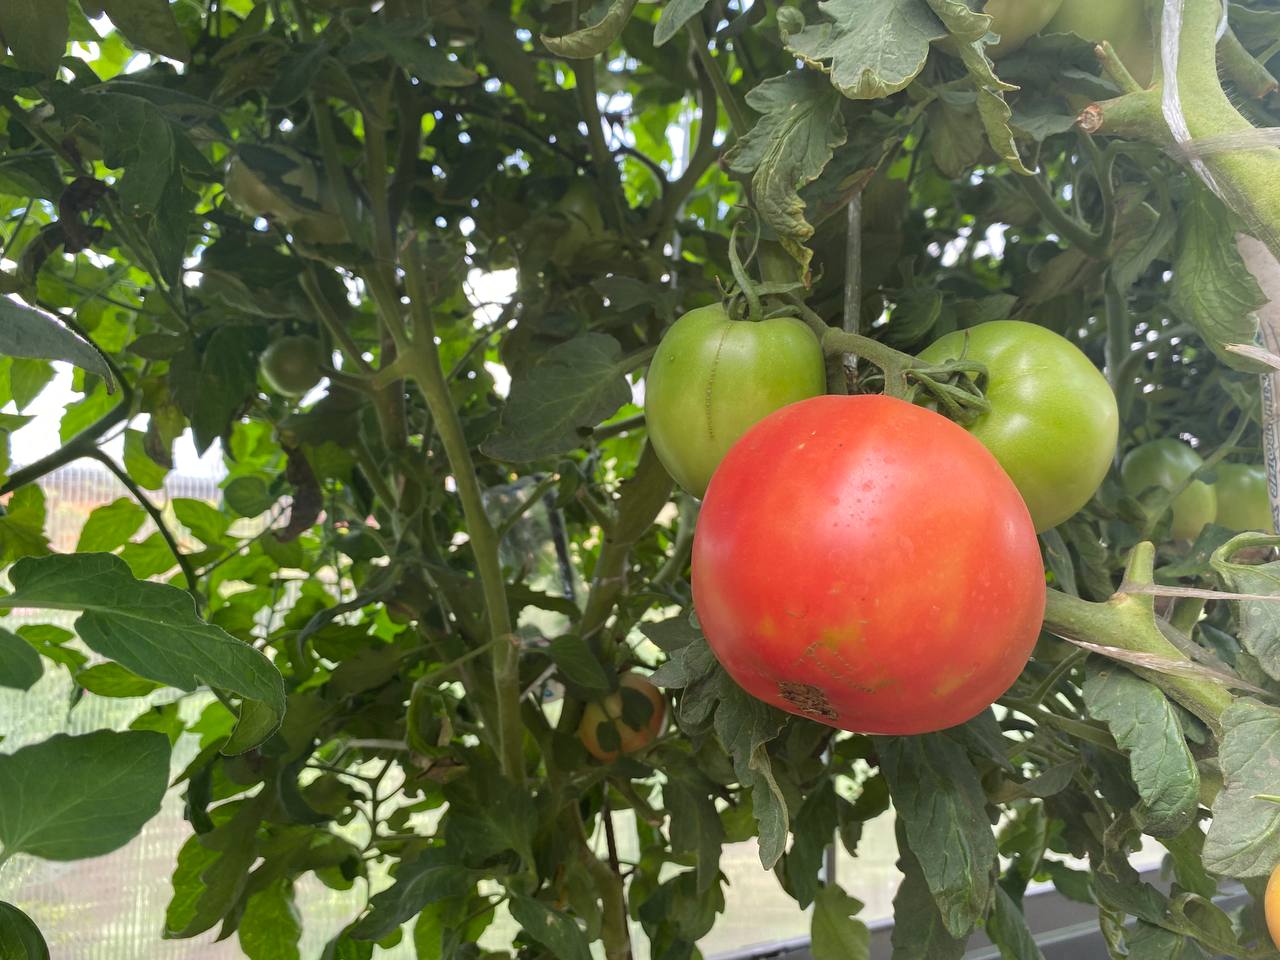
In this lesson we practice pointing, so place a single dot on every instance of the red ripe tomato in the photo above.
(867, 563)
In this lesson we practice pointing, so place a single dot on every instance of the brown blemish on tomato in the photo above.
(808, 699)
(951, 682)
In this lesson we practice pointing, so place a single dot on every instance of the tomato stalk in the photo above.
(1127, 622)
(1247, 179)
(420, 358)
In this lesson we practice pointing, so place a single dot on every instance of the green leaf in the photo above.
(211, 383)
(428, 879)
(72, 797)
(867, 64)
(36, 32)
(20, 665)
(148, 474)
(1008, 930)
(593, 40)
(248, 496)
(1149, 942)
(923, 934)
(201, 519)
(212, 871)
(695, 824)
(834, 932)
(271, 927)
(1146, 727)
(790, 145)
(574, 659)
(404, 42)
(674, 16)
(938, 797)
(554, 930)
(1212, 288)
(20, 938)
(27, 378)
(564, 395)
(476, 828)
(27, 332)
(149, 24)
(22, 525)
(110, 526)
(113, 680)
(152, 629)
(1244, 836)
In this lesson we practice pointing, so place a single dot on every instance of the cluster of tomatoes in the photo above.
(867, 562)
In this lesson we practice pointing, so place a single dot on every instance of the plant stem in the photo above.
(724, 92)
(421, 359)
(1068, 226)
(156, 516)
(1127, 621)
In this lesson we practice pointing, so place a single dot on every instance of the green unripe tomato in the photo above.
(1123, 23)
(1017, 21)
(291, 365)
(1244, 502)
(580, 207)
(283, 185)
(1166, 463)
(713, 377)
(612, 711)
(1053, 421)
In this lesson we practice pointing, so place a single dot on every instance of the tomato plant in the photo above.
(358, 644)
(1053, 420)
(1167, 464)
(826, 485)
(623, 722)
(713, 377)
(1244, 502)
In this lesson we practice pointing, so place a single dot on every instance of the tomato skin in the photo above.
(1271, 906)
(610, 710)
(1053, 422)
(1244, 503)
(1167, 463)
(1123, 23)
(713, 377)
(868, 564)
(291, 365)
(1017, 21)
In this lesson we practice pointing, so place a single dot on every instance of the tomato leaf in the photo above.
(1146, 727)
(20, 938)
(674, 16)
(1259, 620)
(1213, 290)
(565, 394)
(551, 928)
(925, 935)
(939, 798)
(271, 926)
(432, 877)
(579, 665)
(20, 665)
(799, 128)
(865, 64)
(71, 797)
(834, 932)
(149, 24)
(27, 332)
(1244, 837)
(110, 526)
(36, 32)
(593, 40)
(695, 824)
(152, 629)
(1007, 928)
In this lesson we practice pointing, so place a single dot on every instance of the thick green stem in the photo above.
(1127, 622)
(83, 444)
(421, 360)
